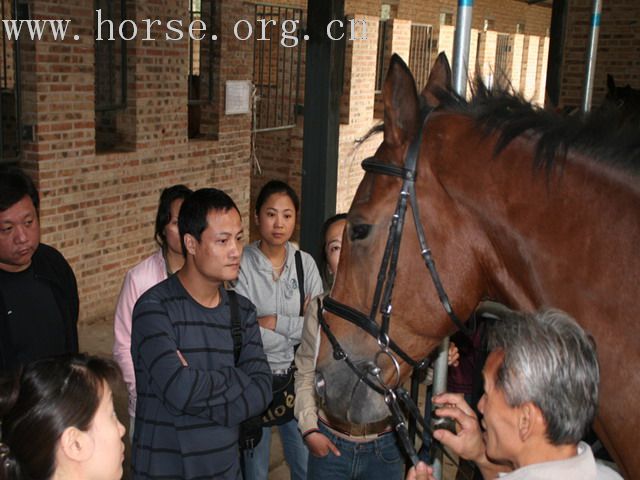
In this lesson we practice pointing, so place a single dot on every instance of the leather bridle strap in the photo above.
(340, 354)
(360, 320)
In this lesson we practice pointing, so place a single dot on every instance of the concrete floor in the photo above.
(97, 339)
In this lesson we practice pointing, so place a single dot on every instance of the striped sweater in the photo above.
(187, 417)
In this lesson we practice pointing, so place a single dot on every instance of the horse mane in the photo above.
(603, 134)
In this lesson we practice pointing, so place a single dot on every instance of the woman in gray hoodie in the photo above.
(270, 276)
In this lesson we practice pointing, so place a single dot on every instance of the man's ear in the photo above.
(530, 421)
(76, 444)
(190, 243)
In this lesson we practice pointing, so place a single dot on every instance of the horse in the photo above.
(519, 205)
(626, 99)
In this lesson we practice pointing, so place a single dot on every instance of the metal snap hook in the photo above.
(383, 341)
(390, 397)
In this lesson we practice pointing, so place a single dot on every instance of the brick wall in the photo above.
(360, 98)
(618, 47)
(529, 66)
(99, 209)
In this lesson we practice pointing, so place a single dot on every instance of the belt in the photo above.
(371, 430)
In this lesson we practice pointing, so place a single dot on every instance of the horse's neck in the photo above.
(566, 240)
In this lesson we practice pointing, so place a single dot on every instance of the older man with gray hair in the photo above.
(540, 397)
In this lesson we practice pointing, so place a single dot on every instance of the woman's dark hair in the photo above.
(276, 186)
(323, 264)
(43, 399)
(14, 186)
(163, 217)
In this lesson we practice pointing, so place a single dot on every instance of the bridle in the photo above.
(393, 393)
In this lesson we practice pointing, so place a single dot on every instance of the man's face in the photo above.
(19, 235)
(500, 420)
(216, 257)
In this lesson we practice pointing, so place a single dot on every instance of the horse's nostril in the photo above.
(321, 385)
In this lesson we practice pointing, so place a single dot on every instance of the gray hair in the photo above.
(551, 361)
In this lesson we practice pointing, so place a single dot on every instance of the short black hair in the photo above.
(163, 217)
(14, 186)
(276, 186)
(196, 207)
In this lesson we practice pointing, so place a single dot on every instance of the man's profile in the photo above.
(540, 397)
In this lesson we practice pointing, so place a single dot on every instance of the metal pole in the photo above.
(461, 46)
(440, 368)
(460, 77)
(592, 52)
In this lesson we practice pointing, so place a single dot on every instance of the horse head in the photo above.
(518, 205)
(418, 321)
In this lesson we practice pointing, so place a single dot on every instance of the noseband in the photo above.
(382, 299)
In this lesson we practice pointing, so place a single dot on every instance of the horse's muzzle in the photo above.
(347, 398)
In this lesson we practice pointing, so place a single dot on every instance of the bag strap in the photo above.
(236, 327)
(300, 272)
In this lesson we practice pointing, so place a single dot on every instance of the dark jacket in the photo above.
(187, 417)
(51, 268)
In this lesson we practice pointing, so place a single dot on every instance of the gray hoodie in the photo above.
(280, 297)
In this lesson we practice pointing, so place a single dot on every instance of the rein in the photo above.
(393, 393)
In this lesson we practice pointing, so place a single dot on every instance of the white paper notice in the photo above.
(237, 97)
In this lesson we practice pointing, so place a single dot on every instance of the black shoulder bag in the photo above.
(251, 428)
(280, 409)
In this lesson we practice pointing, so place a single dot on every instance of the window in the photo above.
(489, 24)
(446, 18)
(520, 27)
(111, 76)
(10, 92)
(503, 68)
(276, 68)
(420, 53)
(203, 54)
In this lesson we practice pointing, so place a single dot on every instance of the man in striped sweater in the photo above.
(192, 395)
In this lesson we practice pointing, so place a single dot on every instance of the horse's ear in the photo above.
(401, 105)
(611, 83)
(439, 81)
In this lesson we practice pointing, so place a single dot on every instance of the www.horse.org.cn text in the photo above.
(261, 29)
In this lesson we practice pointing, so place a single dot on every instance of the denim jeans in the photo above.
(379, 459)
(256, 461)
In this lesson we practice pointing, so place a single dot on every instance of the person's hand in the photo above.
(268, 322)
(467, 442)
(421, 471)
(319, 445)
(453, 356)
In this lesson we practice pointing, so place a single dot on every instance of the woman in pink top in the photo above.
(167, 260)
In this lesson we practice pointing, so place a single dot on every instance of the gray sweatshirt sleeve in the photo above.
(291, 326)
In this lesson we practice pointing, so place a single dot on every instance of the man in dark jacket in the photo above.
(38, 291)
(192, 391)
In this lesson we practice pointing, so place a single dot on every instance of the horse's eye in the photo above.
(360, 232)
